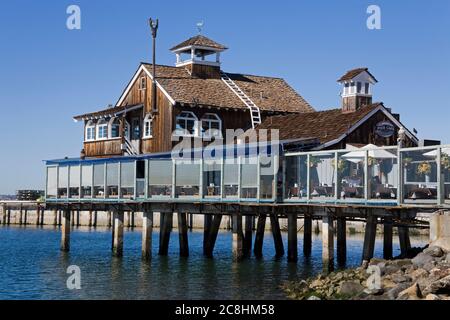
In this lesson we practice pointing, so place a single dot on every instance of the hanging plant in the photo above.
(424, 168)
(407, 161)
(314, 161)
(445, 162)
(341, 165)
(371, 161)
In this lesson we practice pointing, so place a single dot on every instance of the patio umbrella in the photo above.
(433, 153)
(358, 155)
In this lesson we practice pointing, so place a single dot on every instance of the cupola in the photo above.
(200, 55)
(356, 89)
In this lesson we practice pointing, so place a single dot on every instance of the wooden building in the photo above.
(195, 98)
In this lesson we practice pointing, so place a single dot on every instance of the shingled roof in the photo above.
(108, 112)
(201, 41)
(269, 94)
(326, 125)
(349, 75)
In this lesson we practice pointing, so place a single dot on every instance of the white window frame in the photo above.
(210, 121)
(102, 123)
(148, 120)
(90, 125)
(110, 126)
(192, 117)
(141, 86)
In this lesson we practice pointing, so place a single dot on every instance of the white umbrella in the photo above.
(433, 153)
(357, 155)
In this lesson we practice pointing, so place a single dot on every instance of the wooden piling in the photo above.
(128, 219)
(25, 217)
(20, 215)
(327, 243)
(369, 238)
(118, 233)
(248, 236)
(387, 238)
(276, 233)
(4, 214)
(95, 219)
(108, 217)
(307, 235)
(238, 237)
(55, 218)
(292, 238)
(78, 219)
(147, 232)
(38, 215)
(42, 216)
(341, 243)
(259, 238)
(59, 217)
(405, 244)
(65, 230)
(183, 236)
(212, 235)
(207, 223)
(72, 218)
(132, 220)
(90, 219)
(165, 230)
(8, 222)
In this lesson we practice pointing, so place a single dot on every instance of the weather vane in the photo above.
(200, 26)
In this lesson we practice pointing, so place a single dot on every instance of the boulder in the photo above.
(434, 251)
(422, 259)
(394, 292)
(391, 268)
(401, 262)
(350, 288)
(432, 297)
(411, 293)
(441, 286)
(400, 278)
(447, 258)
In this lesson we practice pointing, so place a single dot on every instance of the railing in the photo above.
(379, 176)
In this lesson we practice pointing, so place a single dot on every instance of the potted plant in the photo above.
(424, 168)
(314, 161)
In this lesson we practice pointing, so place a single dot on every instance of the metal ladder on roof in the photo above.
(255, 113)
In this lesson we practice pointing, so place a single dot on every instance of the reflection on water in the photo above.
(32, 267)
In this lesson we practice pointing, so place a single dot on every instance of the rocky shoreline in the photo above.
(424, 277)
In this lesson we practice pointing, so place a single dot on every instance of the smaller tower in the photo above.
(193, 53)
(356, 89)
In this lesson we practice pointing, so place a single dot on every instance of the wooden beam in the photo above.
(248, 236)
(238, 237)
(207, 222)
(183, 234)
(212, 236)
(292, 238)
(166, 229)
(147, 232)
(276, 233)
(341, 247)
(387, 238)
(369, 237)
(65, 231)
(307, 234)
(259, 238)
(118, 233)
(327, 243)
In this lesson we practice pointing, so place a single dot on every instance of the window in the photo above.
(90, 131)
(211, 125)
(186, 124)
(346, 88)
(366, 88)
(359, 87)
(142, 83)
(148, 126)
(114, 125)
(102, 129)
(352, 88)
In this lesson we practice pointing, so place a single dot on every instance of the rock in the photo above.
(316, 283)
(390, 269)
(441, 286)
(401, 262)
(430, 265)
(400, 278)
(422, 259)
(434, 251)
(394, 292)
(388, 284)
(314, 298)
(419, 273)
(411, 293)
(376, 261)
(447, 258)
(350, 288)
(374, 292)
(432, 297)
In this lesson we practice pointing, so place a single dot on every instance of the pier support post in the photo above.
(276, 232)
(238, 237)
(165, 230)
(182, 234)
(38, 215)
(207, 223)
(327, 243)
(341, 245)
(21, 216)
(95, 219)
(55, 218)
(147, 232)
(4, 214)
(108, 217)
(403, 236)
(259, 238)
(118, 233)
(59, 219)
(128, 219)
(212, 236)
(42, 217)
(369, 238)
(387, 238)
(72, 219)
(9, 217)
(307, 234)
(25, 217)
(292, 238)
(65, 230)
(78, 218)
(132, 220)
(90, 218)
(248, 236)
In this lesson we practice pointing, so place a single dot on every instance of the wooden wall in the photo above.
(103, 148)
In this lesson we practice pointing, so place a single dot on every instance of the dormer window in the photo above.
(186, 124)
(90, 131)
(211, 125)
(359, 87)
(148, 126)
(142, 83)
(102, 129)
(366, 89)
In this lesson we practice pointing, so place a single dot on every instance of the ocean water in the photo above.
(32, 267)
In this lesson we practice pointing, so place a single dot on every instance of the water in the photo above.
(32, 267)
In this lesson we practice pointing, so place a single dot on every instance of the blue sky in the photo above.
(49, 73)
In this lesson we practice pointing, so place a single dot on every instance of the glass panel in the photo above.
(350, 168)
(383, 174)
(296, 178)
(160, 178)
(86, 181)
(126, 180)
(212, 178)
(321, 175)
(231, 178)
(112, 180)
(419, 175)
(63, 180)
(99, 180)
(267, 177)
(249, 183)
(187, 179)
(51, 182)
(74, 181)
(140, 178)
(445, 168)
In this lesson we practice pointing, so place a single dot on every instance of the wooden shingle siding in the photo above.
(103, 148)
